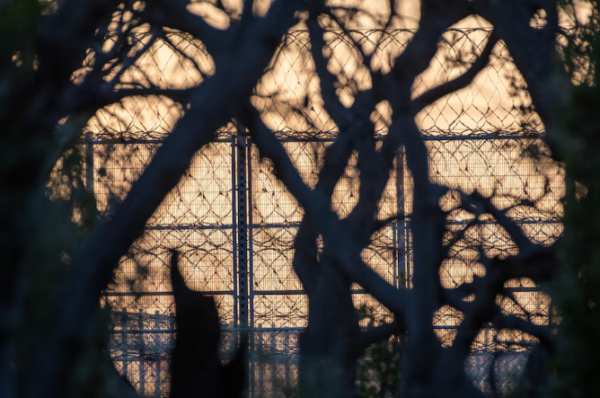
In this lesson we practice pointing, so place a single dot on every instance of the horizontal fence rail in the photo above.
(234, 223)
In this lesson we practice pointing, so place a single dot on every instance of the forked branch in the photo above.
(317, 208)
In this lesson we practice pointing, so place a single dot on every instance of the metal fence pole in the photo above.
(403, 265)
(89, 161)
(158, 380)
(142, 353)
(171, 322)
(242, 223)
(242, 238)
(124, 344)
(234, 230)
(250, 262)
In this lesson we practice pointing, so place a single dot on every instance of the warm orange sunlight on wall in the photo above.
(475, 137)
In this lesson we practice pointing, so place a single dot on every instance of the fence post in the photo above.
(142, 353)
(403, 265)
(158, 380)
(242, 236)
(171, 346)
(242, 224)
(234, 229)
(124, 343)
(89, 161)
(250, 266)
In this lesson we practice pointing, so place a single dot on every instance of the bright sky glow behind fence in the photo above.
(478, 139)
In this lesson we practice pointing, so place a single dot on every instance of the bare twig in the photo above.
(94, 265)
(434, 94)
(129, 61)
(514, 231)
(340, 114)
(335, 236)
(378, 333)
(541, 332)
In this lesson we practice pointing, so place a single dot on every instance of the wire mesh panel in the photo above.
(234, 223)
(197, 219)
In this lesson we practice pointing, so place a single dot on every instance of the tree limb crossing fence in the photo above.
(234, 223)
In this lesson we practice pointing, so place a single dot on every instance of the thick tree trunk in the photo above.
(328, 346)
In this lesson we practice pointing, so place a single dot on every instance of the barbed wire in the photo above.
(480, 138)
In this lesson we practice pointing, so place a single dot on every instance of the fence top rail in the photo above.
(303, 138)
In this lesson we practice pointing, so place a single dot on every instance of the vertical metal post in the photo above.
(142, 353)
(242, 224)
(158, 380)
(234, 229)
(171, 330)
(89, 161)
(395, 236)
(250, 234)
(124, 343)
(250, 263)
(274, 371)
(242, 239)
(262, 365)
(171, 334)
(402, 235)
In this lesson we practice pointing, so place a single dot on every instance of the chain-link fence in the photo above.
(234, 223)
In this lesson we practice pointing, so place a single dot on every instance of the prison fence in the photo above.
(234, 223)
